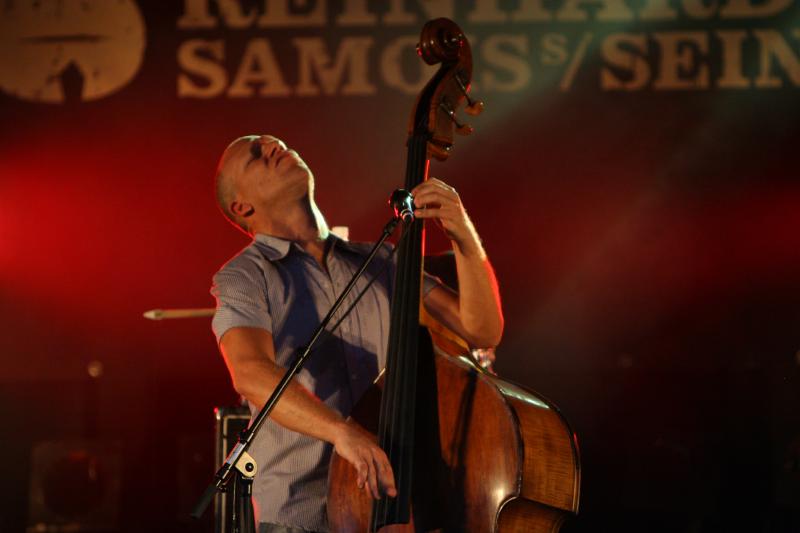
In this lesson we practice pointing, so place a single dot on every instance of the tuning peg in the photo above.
(462, 129)
(474, 107)
(440, 152)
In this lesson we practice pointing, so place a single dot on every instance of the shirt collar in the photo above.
(275, 248)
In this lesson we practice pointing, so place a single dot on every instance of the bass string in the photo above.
(403, 383)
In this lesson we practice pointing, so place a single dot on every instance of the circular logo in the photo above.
(61, 50)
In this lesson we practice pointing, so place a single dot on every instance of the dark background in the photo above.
(646, 243)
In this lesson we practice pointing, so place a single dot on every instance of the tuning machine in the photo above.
(462, 129)
(474, 107)
(439, 151)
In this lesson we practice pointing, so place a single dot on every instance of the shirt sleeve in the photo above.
(241, 295)
(429, 282)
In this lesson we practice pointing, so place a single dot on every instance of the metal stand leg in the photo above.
(245, 519)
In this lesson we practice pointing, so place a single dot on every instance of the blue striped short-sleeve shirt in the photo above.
(273, 284)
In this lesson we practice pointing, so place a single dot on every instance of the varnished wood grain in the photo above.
(525, 516)
(501, 447)
(551, 464)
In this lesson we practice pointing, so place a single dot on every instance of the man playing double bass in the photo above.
(272, 295)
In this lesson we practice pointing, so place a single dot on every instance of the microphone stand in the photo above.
(239, 462)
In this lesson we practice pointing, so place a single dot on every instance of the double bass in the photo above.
(470, 452)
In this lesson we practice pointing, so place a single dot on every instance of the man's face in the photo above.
(265, 171)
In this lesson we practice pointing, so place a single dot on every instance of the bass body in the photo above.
(490, 456)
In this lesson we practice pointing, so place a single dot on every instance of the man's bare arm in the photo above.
(475, 311)
(250, 356)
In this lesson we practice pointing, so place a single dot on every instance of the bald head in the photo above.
(225, 184)
(260, 183)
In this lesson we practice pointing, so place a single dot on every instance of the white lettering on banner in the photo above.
(684, 64)
(196, 57)
(705, 9)
(554, 49)
(756, 56)
(753, 8)
(683, 60)
(260, 67)
(199, 14)
(313, 58)
(625, 52)
(91, 49)
(732, 76)
(259, 73)
(661, 61)
(277, 14)
(701, 9)
(609, 10)
(774, 46)
(496, 52)
(657, 10)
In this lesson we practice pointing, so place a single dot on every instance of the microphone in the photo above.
(403, 205)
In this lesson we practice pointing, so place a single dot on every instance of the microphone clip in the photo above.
(402, 203)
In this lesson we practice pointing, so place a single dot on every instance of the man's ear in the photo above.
(242, 209)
